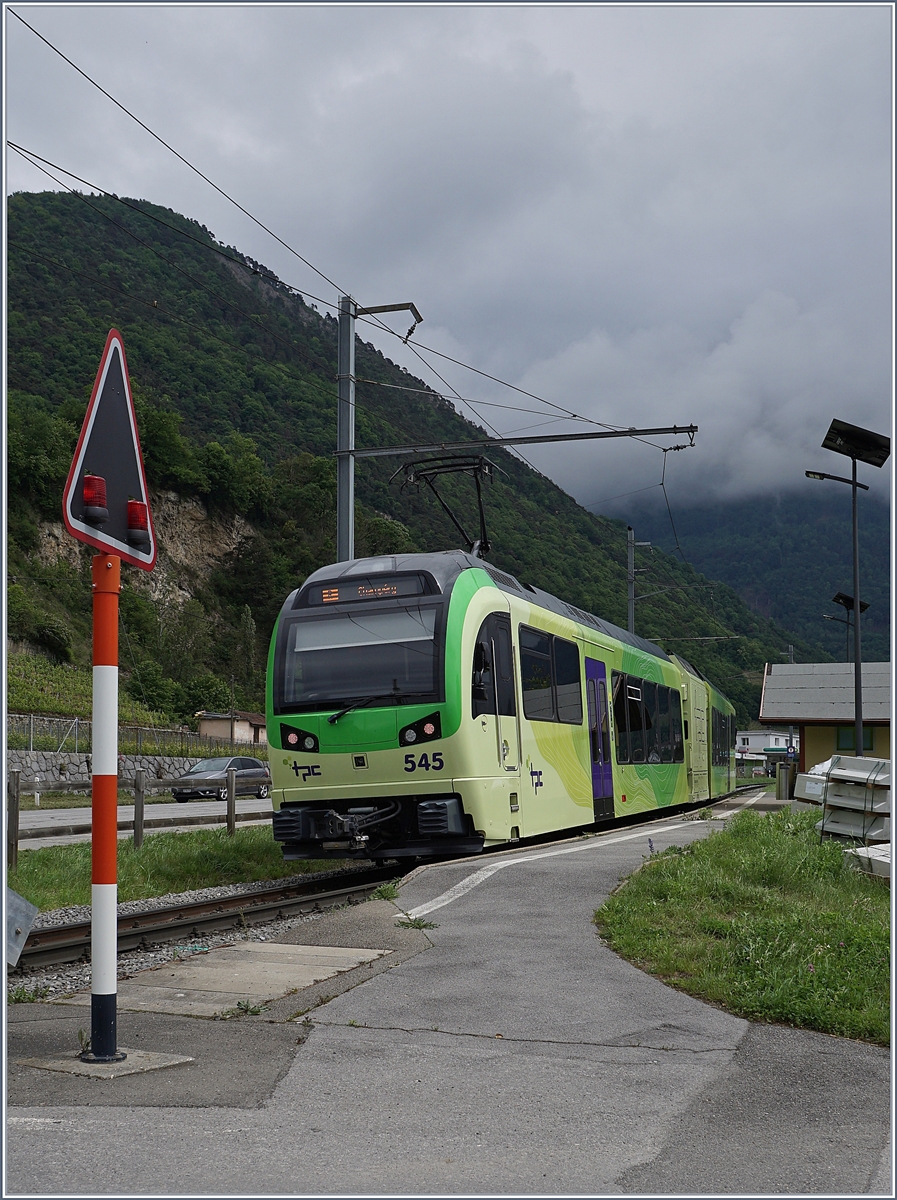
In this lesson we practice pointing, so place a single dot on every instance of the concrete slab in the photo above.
(135, 1062)
(250, 974)
(227, 1064)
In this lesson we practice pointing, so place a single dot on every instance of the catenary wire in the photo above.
(214, 246)
(301, 258)
(152, 305)
(177, 155)
(193, 279)
(380, 324)
(257, 269)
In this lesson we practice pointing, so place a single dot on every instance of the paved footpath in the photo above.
(503, 1051)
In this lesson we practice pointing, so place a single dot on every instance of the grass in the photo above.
(386, 891)
(21, 994)
(763, 920)
(59, 876)
(37, 685)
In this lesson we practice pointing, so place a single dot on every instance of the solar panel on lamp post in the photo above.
(873, 448)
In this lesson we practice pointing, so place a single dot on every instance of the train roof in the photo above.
(445, 567)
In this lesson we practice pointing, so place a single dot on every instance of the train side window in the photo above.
(676, 724)
(635, 718)
(720, 738)
(504, 665)
(535, 675)
(664, 732)
(483, 682)
(493, 669)
(649, 705)
(621, 723)
(568, 687)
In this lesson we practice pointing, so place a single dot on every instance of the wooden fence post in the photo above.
(12, 821)
(231, 801)
(139, 797)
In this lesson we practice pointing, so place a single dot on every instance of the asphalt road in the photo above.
(503, 1051)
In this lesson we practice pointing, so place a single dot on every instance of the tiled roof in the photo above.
(794, 692)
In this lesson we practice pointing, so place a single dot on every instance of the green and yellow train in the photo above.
(429, 705)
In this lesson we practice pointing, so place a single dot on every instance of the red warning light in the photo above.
(138, 524)
(292, 738)
(429, 729)
(94, 494)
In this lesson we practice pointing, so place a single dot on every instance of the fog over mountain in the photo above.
(646, 215)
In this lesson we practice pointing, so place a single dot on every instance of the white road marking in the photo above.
(747, 804)
(484, 873)
(478, 877)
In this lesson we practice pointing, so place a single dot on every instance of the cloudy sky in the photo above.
(646, 215)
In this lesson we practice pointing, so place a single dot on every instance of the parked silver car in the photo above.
(207, 779)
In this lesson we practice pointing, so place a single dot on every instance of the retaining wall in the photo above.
(54, 766)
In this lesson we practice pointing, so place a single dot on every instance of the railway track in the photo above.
(71, 942)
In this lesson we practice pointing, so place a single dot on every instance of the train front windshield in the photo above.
(325, 661)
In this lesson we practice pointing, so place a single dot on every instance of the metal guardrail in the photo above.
(17, 786)
(31, 731)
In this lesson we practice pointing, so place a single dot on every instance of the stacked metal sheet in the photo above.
(855, 796)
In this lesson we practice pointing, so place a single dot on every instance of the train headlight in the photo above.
(298, 739)
(424, 730)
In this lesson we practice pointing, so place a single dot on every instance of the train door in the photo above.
(700, 764)
(494, 692)
(599, 739)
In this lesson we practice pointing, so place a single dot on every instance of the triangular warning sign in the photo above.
(108, 452)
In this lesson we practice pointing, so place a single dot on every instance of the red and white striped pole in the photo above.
(106, 572)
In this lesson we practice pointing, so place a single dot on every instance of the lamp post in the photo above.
(847, 602)
(872, 448)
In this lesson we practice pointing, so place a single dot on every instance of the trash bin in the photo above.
(786, 776)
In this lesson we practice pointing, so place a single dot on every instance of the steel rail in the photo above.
(70, 942)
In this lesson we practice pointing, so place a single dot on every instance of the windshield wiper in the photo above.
(360, 703)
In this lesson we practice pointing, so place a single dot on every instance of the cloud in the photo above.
(762, 396)
(645, 214)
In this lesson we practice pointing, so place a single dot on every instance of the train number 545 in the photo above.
(426, 762)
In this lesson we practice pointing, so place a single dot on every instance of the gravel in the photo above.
(62, 979)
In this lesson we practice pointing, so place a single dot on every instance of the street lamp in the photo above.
(872, 448)
(847, 602)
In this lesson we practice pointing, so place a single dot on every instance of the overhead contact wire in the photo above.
(193, 279)
(382, 325)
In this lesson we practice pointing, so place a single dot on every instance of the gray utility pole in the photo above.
(631, 573)
(857, 649)
(345, 417)
(790, 727)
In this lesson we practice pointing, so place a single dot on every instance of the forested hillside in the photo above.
(788, 555)
(234, 383)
